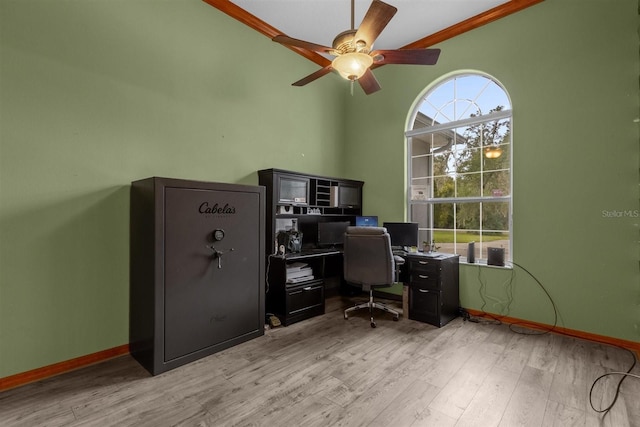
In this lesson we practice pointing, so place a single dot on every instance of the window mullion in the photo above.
(497, 115)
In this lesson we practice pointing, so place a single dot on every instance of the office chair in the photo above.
(369, 262)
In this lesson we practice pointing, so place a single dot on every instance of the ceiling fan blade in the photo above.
(376, 18)
(406, 56)
(313, 76)
(369, 83)
(282, 39)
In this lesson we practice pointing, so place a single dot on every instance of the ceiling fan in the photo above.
(353, 49)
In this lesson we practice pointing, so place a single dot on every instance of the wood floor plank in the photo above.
(430, 417)
(631, 391)
(406, 412)
(558, 415)
(516, 353)
(572, 375)
(313, 411)
(328, 371)
(528, 401)
(371, 402)
(454, 398)
(544, 351)
(488, 405)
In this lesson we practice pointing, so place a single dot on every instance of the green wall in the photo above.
(571, 69)
(95, 94)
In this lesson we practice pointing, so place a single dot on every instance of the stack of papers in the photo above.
(299, 272)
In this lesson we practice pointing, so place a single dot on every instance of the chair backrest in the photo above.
(368, 259)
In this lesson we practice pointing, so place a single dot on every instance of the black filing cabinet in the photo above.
(196, 269)
(433, 281)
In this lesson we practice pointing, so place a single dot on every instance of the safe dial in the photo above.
(218, 234)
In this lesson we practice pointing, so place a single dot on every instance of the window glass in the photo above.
(459, 165)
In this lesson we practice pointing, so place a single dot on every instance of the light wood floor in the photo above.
(328, 371)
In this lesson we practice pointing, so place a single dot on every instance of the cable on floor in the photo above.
(553, 328)
(624, 376)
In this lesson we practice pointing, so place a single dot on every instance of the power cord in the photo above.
(467, 317)
(624, 376)
(553, 304)
(266, 279)
(507, 285)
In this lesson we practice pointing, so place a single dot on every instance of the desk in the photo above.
(431, 279)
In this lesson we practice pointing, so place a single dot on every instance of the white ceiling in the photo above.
(319, 21)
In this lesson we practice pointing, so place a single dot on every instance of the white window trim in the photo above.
(498, 115)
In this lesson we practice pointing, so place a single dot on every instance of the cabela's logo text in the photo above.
(227, 209)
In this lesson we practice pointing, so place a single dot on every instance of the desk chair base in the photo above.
(371, 305)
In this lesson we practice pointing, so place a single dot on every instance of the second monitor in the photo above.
(403, 234)
(331, 234)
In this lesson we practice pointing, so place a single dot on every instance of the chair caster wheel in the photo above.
(395, 319)
(346, 316)
(373, 324)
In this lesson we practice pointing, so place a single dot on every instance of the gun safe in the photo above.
(196, 269)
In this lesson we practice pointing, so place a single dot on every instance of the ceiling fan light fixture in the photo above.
(353, 65)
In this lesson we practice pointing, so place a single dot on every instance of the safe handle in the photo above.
(218, 254)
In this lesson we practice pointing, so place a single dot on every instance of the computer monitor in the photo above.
(366, 221)
(331, 234)
(403, 234)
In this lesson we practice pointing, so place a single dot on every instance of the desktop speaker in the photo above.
(334, 197)
(495, 256)
(471, 252)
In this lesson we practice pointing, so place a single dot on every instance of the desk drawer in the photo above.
(428, 266)
(424, 280)
(424, 305)
(306, 297)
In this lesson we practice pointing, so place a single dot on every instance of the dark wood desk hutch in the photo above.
(301, 201)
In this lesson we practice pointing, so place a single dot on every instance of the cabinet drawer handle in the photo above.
(422, 276)
(307, 289)
(424, 262)
(424, 291)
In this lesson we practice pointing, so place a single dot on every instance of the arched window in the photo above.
(459, 145)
